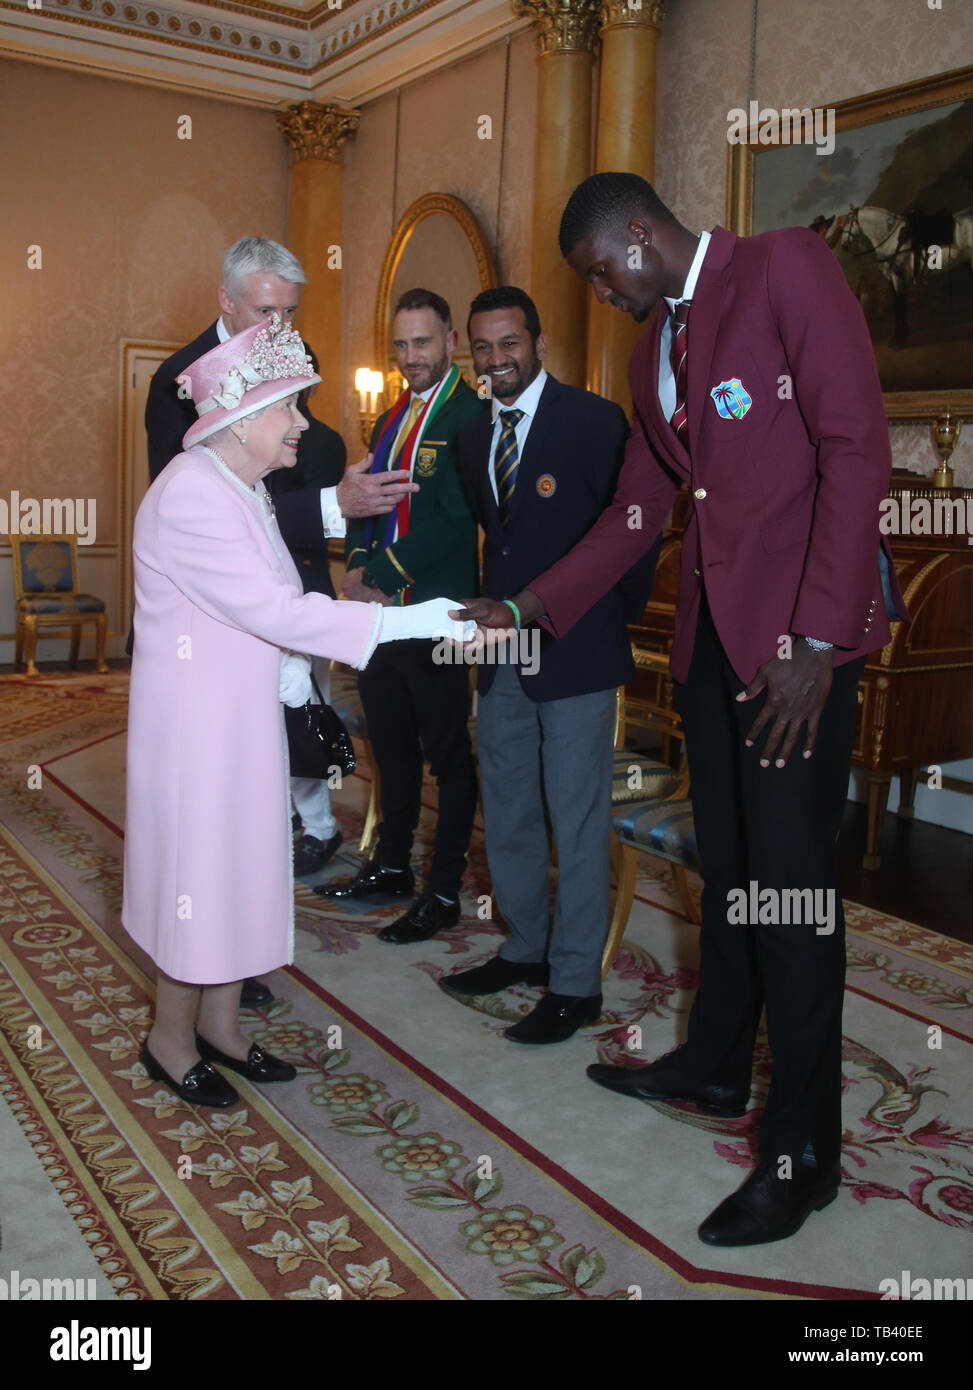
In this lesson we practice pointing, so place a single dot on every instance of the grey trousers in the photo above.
(559, 751)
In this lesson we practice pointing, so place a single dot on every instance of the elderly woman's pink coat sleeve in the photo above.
(212, 557)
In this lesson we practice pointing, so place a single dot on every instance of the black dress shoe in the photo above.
(664, 1080)
(770, 1208)
(255, 992)
(496, 974)
(200, 1086)
(311, 854)
(259, 1066)
(424, 919)
(556, 1018)
(370, 879)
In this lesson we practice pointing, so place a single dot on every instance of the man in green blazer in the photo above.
(417, 708)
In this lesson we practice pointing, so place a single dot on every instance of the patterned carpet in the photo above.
(420, 1155)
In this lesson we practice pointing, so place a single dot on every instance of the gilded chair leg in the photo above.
(681, 879)
(30, 644)
(370, 829)
(623, 906)
(19, 650)
(75, 645)
(101, 630)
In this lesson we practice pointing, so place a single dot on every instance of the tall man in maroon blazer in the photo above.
(757, 388)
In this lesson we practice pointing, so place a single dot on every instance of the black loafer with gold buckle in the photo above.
(259, 1066)
(202, 1085)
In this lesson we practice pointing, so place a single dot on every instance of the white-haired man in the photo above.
(259, 278)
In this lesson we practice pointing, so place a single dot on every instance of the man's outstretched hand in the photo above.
(797, 688)
(361, 493)
(490, 613)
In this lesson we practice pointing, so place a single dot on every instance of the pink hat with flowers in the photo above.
(252, 369)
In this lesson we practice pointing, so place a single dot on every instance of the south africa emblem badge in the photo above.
(426, 463)
(546, 485)
(731, 398)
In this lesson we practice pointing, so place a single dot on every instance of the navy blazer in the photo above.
(565, 480)
(168, 417)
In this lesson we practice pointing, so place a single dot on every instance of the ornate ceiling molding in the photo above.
(347, 51)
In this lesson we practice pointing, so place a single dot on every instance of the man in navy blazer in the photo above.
(538, 471)
(260, 277)
(757, 387)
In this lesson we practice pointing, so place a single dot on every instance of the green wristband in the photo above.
(514, 609)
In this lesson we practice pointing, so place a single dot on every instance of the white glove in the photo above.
(295, 679)
(429, 619)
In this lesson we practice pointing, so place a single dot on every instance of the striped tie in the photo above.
(506, 461)
(678, 354)
(415, 406)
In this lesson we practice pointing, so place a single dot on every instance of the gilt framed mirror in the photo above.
(440, 246)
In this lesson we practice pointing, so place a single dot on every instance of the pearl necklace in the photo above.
(264, 495)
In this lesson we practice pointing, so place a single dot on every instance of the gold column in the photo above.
(567, 37)
(315, 134)
(626, 143)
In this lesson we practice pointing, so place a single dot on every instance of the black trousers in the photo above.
(416, 708)
(776, 828)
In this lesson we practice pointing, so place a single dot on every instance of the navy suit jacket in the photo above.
(565, 479)
(168, 417)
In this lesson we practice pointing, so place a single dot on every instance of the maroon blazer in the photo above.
(785, 500)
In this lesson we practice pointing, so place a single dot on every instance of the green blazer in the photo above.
(438, 556)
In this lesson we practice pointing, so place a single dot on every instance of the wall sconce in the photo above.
(369, 386)
(945, 434)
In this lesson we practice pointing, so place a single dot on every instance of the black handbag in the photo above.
(317, 739)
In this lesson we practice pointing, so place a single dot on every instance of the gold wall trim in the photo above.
(424, 207)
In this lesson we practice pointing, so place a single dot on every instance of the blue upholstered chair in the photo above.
(47, 598)
(657, 819)
(346, 702)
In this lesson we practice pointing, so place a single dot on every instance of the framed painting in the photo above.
(891, 192)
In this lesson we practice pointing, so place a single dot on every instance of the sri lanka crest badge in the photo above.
(732, 399)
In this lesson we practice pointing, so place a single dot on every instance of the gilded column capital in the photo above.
(563, 26)
(314, 131)
(650, 12)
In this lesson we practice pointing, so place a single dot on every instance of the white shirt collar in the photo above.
(222, 332)
(689, 288)
(424, 395)
(527, 401)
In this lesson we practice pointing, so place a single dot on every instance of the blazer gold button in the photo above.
(700, 493)
(696, 573)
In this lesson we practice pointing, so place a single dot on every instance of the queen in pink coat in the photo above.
(219, 613)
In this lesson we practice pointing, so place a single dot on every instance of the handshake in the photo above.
(431, 619)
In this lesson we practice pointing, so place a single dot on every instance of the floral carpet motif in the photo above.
(372, 1176)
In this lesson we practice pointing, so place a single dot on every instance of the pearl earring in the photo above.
(243, 439)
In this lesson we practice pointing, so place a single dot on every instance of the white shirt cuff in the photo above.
(333, 521)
